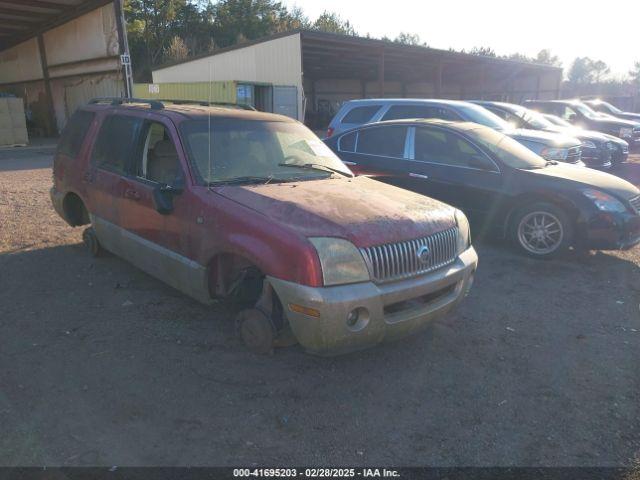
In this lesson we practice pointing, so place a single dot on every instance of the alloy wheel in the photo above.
(540, 232)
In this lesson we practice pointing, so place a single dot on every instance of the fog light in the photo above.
(357, 319)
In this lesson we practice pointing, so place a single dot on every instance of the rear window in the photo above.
(398, 112)
(385, 141)
(361, 115)
(347, 143)
(74, 133)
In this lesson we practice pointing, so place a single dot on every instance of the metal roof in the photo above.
(21, 20)
(334, 55)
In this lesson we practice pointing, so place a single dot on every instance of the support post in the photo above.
(438, 79)
(123, 45)
(381, 73)
(52, 125)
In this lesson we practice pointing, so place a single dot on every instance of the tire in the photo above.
(256, 330)
(91, 242)
(541, 230)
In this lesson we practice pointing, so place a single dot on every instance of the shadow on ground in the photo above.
(103, 365)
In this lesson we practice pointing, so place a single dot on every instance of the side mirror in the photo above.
(163, 198)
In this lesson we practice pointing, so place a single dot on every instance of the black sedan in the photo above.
(598, 149)
(605, 107)
(583, 116)
(543, 206)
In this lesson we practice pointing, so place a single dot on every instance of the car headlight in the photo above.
(551, 153)
(604, 201)
(464, 232)
(340, 260)
(589, 144)
(626, 132)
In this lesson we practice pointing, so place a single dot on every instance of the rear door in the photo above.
(375, 150)
(111, 154)
(447, 166)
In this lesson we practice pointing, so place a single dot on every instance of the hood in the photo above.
(590, 178)
(551, 139)
(613, 122)
(580, 134)
(361, 210)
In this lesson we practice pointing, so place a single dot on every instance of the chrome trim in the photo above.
(396, 261)
(418, 175)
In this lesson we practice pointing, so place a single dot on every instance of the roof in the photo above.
(198, 112)
(21, 20)
(329, 54)
(407, 101)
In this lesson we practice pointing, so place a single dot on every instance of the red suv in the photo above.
(228, 203)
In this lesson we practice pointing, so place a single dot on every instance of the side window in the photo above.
(360, 115)
(568, 113)
(347, 143)
(438, 146)
(514, 120)
(158, 158)
(496, 111)
(386, 141)
(397, 112)
(74, 133)
(115, 146)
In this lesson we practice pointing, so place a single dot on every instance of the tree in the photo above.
(332, 23)
(409, 39)
(584, 70)
(483, 51)
(635, 74)
(547, 58)
(177, 50)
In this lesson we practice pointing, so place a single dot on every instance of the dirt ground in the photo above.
(101, 364)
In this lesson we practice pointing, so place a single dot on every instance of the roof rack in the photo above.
(154, 104)
(205, 103)
(157, 104)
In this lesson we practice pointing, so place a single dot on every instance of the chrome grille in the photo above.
(395, 261)
(635, 203)
(574, 155)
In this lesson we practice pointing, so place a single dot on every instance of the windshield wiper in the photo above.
(316, 166)
(240, 180)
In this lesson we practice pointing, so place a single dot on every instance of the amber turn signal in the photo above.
(312, 312)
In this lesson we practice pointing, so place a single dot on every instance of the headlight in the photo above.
(604, 202)
(340, 260)
(464, 232)
(589, 144)
(626, 132)
(550, 153)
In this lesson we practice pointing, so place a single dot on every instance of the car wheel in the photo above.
(541, 230)
(256, 330)
(91, 242)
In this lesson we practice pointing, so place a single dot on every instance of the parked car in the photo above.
(249, 206)
(543, 206)
(581, 115)
(605, 107)
(621, 152)
(598, 149)
(551, 146)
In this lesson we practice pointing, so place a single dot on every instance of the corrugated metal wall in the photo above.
(205, 91)
(277, 62)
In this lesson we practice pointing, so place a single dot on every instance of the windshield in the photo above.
(477, 114)
(610, 107)
(506, 149)
(557, 120)
(225, 150)
(535, 119)
(586, 111)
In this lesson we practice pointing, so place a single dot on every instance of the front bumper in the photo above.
(393, 310)
(613, 231)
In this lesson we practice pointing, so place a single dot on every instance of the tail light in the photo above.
(330, 131)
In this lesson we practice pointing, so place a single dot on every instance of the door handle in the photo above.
(349, 163)
(132, 194)
(418, 175)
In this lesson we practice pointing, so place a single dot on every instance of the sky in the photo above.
(607, 31)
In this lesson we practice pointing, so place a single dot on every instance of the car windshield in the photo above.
(506, 149)
(610, 107)
(229, 150)
(534, 118)
(482, 116)
(586, 111)
(557, 121)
